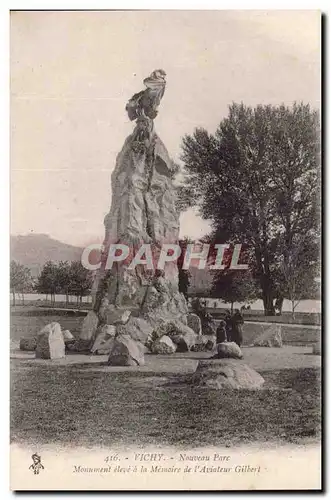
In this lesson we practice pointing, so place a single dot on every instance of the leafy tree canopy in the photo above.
(257, 180)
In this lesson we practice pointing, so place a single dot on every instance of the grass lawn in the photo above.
(70, 405)
(302, 318)
(291, 335)
(29, 325)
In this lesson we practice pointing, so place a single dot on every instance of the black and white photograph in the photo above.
(165, 250)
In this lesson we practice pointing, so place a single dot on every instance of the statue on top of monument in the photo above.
(146, 102)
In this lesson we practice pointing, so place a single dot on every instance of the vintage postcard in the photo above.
(165, 265)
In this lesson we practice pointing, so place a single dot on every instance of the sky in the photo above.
(73, 72)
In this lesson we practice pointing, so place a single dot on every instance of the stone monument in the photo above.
(138, 300)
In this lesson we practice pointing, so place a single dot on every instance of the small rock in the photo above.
(199, 347)
(228, 350)
(28, 343)
(68, 336)
(164, 345)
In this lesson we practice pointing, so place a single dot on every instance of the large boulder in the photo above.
(104, 341)
(88, 332)
(28, 343)
(164, 345)
(194, 322)
(272, 337)
(89, 326)
(126, 352)
(50, 343)
(228, 350)
(226, 374)
(137, 328)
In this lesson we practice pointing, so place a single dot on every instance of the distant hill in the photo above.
(33, 250)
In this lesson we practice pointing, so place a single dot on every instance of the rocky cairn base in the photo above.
(167, 337)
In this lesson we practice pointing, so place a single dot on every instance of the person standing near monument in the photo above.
(228, 325)
(221, 332)
(237, 327)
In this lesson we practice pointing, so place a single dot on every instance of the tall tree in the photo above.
(20, 280)
(63, 278)
(235, 286)
(80, 280)
(256, 180)
(48, 281)
(184, 275)
(299, 269)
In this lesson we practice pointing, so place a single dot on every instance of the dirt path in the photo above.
(259, 358)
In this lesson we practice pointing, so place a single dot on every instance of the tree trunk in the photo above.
(279, 304)
(23, 299)
(269, 309)
(231, 307)
(265, 281)
(14, 298)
